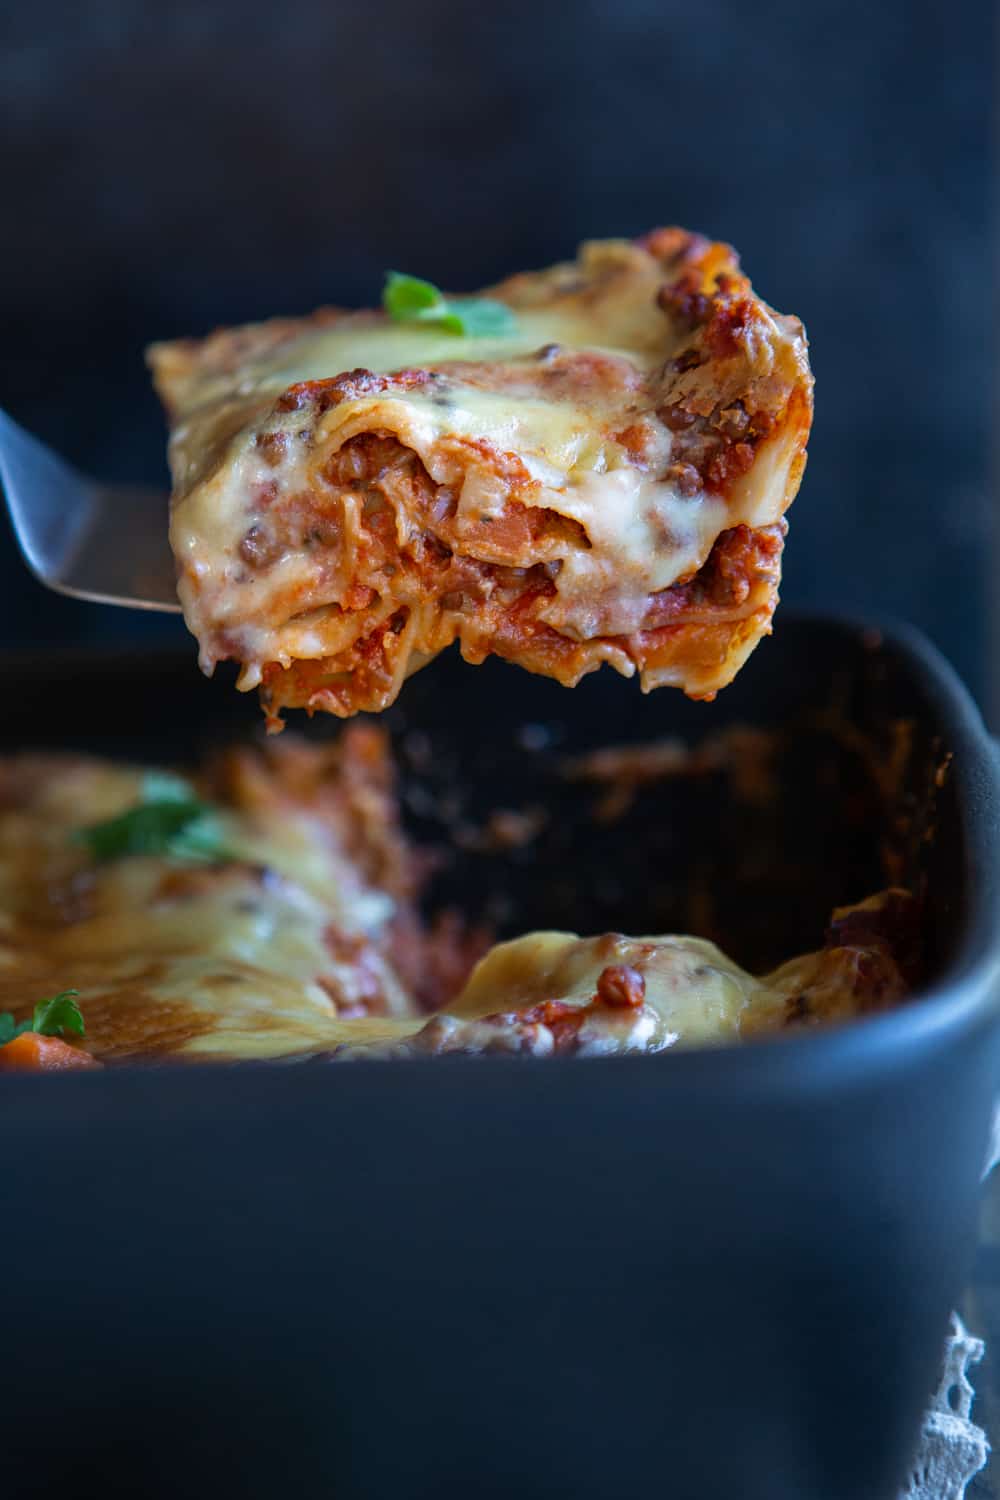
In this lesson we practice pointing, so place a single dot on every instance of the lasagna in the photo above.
(598, 476)
(267, 907)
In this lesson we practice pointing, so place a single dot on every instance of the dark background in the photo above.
(170, 167)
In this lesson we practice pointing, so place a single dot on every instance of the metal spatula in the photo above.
(105, 542)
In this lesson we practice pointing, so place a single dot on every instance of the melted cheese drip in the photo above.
(643, 533)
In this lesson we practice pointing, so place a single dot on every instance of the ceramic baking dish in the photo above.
(716, 1274)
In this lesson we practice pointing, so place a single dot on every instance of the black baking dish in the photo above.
(713, 1275)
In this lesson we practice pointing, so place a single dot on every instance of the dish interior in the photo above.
(819, 777)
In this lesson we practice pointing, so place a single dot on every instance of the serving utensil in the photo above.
(102, 542)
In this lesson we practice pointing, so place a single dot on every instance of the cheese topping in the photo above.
(692, 991)
(296, 937)
(256, 953)
(597, 996)
(568, 475)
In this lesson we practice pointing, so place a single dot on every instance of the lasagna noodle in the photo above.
(606, 483)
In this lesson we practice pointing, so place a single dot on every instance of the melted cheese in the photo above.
(692, 996)
(233, 960)
(468, 408)
(693, 992)
(614, 316)
(284, 949)
(601, 589)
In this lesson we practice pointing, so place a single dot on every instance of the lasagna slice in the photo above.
(600, 476)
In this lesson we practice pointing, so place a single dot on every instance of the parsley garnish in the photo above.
(51, 1018)
(407, 299)
(169, 820)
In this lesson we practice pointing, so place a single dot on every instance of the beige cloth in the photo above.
(952, 1448)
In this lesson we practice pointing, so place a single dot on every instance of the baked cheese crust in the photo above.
(606, 483)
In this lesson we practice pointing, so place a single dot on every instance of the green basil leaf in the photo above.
(52, 1017)
(56, 1016)
(146, 829)
(202, 838)
(168, 820)
(482, 318)
(408, 299)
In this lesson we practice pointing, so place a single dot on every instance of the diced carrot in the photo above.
(31, 1052)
